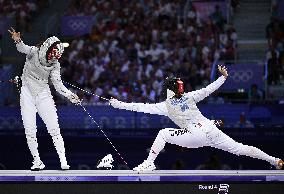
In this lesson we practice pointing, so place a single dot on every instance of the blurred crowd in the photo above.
(275, 51)
(22, 10)
(135, 45)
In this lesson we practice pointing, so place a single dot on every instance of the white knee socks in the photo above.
(59, 146)
(256, 153)
(33, 146)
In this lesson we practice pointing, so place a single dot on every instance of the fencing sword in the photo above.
(103, 133)
(16, 81)
(88, 92)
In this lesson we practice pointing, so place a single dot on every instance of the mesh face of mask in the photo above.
(53, 52)
(50, 51)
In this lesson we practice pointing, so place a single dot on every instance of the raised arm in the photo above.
(59, 87)
(21, 47)
(158, 108)
(199, 95)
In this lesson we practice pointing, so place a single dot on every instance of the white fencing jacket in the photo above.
(35, 75)
(183, 111)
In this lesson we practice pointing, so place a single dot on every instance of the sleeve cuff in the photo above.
(223, 78)
(18, 41)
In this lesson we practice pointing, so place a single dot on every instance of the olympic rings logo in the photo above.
(78, 24)
(241, 75)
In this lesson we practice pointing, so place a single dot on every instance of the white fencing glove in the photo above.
(114, 103)
(74, 98)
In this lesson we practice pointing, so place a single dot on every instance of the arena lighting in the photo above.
(241, 90)
(65, 44)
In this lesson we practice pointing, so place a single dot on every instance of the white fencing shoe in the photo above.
(65, 166)
(145, 166)
(106, 162)
(37, 165)
(63, 162)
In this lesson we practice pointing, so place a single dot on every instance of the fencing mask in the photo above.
(50, 51)
(173, 87)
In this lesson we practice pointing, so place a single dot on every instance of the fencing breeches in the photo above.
(43, 104)
(204, 135)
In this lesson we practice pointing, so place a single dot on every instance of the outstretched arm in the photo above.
(60, 88)
(21, 47)
(159, 108)
(199, 95)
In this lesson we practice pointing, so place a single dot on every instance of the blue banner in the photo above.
(242, 76)
(76, 25)
(206, 8)
(74, 117)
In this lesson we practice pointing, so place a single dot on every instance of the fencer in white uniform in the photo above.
(42, 64)
(195, 130)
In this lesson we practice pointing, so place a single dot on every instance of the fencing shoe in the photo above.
(37, 165)
(145, 166)
(106, 162)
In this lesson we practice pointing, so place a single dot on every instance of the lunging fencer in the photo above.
(195, 130)
(42, 63)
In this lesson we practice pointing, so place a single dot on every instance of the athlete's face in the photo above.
(54, 53)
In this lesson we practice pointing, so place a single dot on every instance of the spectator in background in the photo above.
(274, 10)
(235, 4)
(139, 48)
(275, 53)
(23, 11)
(274, 67)
(255, 94)
(274, 32)
(217, 17)
(243, 122)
